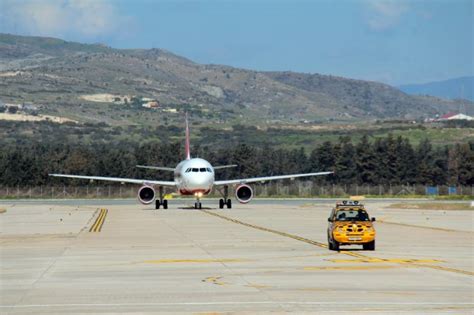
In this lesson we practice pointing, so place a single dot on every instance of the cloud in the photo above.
(84, 18)
(385, 14)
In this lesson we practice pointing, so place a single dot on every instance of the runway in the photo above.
(269, 256)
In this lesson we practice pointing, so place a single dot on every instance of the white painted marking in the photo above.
(229, 303)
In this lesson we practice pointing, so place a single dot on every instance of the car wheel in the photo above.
(329, 243)
(369, 246)
(335, 245)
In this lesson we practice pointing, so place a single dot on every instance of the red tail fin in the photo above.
(188, 151)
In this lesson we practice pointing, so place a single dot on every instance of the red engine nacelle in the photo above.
(146, 195)
(244, 193)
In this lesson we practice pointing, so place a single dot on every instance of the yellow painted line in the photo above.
(390, 260)
(214, 280)
(257, 286)
(172, 261)
(319, 244)
(99, 221)
(349, 253)
(103, 220)
(422, 227)
(299, 238)
(349, 267)
(465, 272)
(97, 226)
(96, 221)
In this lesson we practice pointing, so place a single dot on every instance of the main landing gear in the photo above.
(161, 201)
(225, 201)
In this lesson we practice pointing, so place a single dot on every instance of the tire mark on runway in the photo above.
(322, 245)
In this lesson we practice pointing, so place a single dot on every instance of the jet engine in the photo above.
(146, 194)
(244, 193)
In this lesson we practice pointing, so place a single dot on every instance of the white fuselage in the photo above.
(194, 177)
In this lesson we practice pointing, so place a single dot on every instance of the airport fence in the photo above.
(307, 189)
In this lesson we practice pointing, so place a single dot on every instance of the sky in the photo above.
(395, 42)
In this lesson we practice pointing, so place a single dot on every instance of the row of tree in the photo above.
(383, 161)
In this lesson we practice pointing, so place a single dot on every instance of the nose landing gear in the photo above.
(197, 204)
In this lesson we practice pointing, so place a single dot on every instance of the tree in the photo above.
(381, 167)
(322, 159)
(465, 154)
(406, 162)
(424, 158)
(345, 166)
(365, 162)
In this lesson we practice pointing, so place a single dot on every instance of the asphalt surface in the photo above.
(71, 257)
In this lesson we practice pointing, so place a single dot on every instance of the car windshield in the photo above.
(352, 215)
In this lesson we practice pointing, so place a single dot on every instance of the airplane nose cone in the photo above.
(203, 181)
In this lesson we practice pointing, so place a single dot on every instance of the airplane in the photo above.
(192, 177)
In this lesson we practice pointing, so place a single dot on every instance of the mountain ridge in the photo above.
(455, 88)
(58, 73)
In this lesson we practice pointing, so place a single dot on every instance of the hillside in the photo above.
(458, 88)
(95, 83)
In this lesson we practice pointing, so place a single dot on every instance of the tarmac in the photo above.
(270, 256)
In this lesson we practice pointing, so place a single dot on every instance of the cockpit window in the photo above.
(188, 170)
(195, 170)
(203, 169)
(209, 170)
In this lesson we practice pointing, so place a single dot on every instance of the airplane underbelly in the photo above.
(187, 188)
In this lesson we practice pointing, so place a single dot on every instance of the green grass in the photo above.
(455, 197)
(222, 135)
(438, 136)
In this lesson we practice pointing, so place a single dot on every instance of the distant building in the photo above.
(455, 116)
(29, 107)
(170, 110)
(151, 104)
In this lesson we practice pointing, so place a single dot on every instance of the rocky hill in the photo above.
(64, 77)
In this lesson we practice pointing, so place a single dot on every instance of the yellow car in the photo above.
(350, 224)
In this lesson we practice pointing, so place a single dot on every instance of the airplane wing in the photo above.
(117, 179)
(161, 168)
(267, 178)
(224, 166)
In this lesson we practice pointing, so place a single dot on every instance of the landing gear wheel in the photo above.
(157, 204)
(224, 202)
(198, 205)
(369, 246)
(165, 204)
